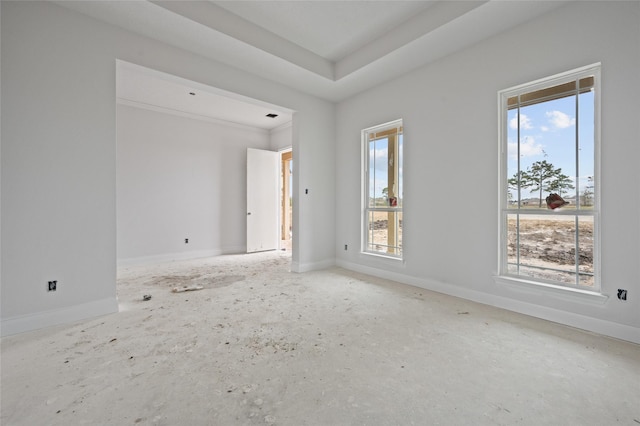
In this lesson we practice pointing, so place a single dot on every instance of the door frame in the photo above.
(285, 216)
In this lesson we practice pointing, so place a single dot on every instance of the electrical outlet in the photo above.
(186, 241)
(345, 247)
(53, 285)
(622, 294)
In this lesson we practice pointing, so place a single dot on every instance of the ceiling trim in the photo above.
(206, 29)
(184, 114)
(430, 19)
(220, 20)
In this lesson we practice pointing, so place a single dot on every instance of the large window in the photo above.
(382, 189)
(549, 180)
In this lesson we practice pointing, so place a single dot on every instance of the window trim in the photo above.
(502, 277)
(364, 172)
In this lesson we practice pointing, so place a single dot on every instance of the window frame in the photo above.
(365, 208)
(523, 281)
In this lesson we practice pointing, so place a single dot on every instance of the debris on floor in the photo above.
(358, 338)
(187, 288)
(146, 297)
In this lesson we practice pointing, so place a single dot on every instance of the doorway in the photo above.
(286, 200)
(216, 127)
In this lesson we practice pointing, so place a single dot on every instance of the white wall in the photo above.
(451, 162)
(59, 158)
(180, 178)
(281, 137)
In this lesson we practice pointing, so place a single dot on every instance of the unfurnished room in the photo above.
(320, 212)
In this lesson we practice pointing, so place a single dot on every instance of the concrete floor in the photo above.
(262, 346)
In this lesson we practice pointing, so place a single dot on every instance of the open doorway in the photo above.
(181, 165)
(286, 200)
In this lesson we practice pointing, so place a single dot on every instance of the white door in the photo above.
(262, 200)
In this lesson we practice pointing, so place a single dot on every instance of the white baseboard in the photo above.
(314, 266)
(595, 325)
(38, 320)
(168, 257)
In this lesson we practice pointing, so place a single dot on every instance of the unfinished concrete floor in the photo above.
(260, 345)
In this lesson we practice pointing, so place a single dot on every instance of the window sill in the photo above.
(384, 257)
(565, 293)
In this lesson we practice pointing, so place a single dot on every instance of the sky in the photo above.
(548, 132)
(378, 157)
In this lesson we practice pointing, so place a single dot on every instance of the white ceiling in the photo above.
(329, 29)
(329, 49)
(146, 88)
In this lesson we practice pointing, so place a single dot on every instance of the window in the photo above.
(382, 189)
(549, 180)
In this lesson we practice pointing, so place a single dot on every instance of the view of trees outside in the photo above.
(379, 172)
(548, 153)
(382, 164)
(543, 178)
(551, 150)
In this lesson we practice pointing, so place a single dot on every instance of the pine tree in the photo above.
(542, 176)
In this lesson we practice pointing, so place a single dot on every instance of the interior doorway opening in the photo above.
(157, 219)
(286, 200)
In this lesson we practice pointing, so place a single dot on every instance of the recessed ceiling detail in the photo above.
(329, 49)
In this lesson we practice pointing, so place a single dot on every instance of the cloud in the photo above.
(528, 148)
(381, 159)
(560, 120)
(525, 122)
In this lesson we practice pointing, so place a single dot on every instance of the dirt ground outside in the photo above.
(548, 246)
(378, 229)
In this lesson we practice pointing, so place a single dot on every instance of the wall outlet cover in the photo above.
(622, 294)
